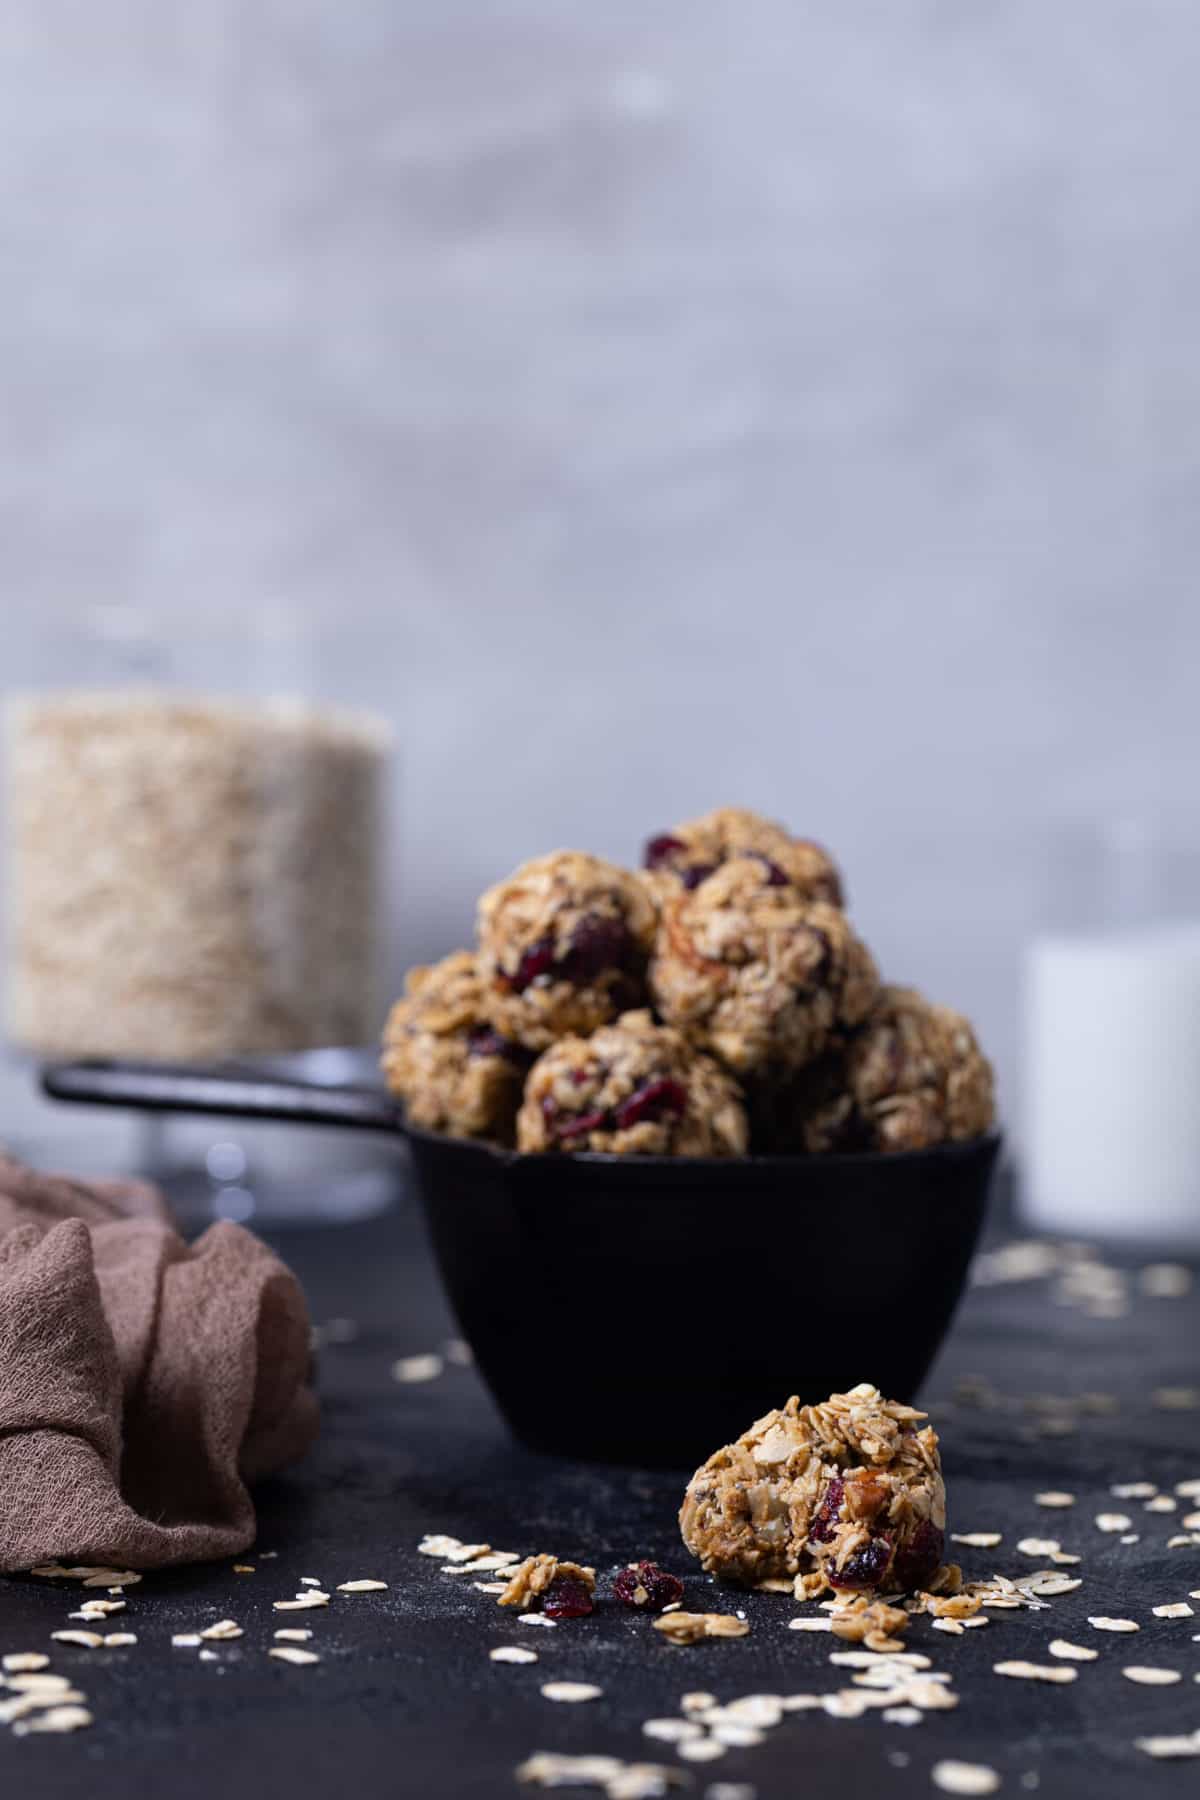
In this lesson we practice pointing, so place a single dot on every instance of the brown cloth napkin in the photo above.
(143, 1382)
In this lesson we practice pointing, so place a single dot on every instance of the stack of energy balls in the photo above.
(717, 1002)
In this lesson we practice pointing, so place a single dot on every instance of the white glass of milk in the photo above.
(1112, 1041)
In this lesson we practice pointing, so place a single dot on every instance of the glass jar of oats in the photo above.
(191, 840)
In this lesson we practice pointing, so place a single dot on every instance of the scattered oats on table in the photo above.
(1072, 1652)
(671, 1731)
(23, 1662)
(571, 1692)
(293, 1634)
(977, 1540)
(1149, 1677)
(1034, 1546)
(1161, 1503)
(1054, 1497)
(365, 1586)
(810, 1624)
(186, 1640)
(1187, 1745)
(1133, 1490)
(530, 1580)
(1104, 1624)
(86, 1640)
(964, 1778)
(1176, 1399)
(1028, 1671)
(1178, 1609)
(703, 1749)
(449, 1549)
(691, 1628)
(55, 1719)
(426, 1367)
(1165, 1281)
(223, 1629)
(118, 1640)
(288, 1653)
(1107, 1521)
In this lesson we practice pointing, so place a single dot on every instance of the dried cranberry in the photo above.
(658, 1099)
(645, 1584)
(567, 1598)
(661, 850)
(483, 1041)
(829, 1512)
(693, 876)
(921, 1558)
(775, 875)
(866, 1568)
(537, 960)
(575, 1124)
(596, 945)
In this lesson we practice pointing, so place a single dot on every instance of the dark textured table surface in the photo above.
(405, 1700)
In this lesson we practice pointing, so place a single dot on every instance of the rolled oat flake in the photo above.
(965, 1778)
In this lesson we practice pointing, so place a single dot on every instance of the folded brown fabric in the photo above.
(143, 1382)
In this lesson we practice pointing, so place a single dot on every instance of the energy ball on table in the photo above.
(634, 1088)
(689, 853)
(757, 973)
(848, 1493)
(912, 1077)
(453, 1070)
(563, 945)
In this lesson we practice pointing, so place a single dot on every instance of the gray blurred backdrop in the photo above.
(658, 404)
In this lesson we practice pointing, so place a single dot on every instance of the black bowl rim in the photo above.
(959, 1149)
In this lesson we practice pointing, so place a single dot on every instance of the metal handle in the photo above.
(236, 1089)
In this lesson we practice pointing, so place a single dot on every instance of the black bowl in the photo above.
(641, 1309)
(647, 1310)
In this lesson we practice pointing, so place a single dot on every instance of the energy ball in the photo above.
(849, 1492)
(453, 1070)
(912, 1077)
(563, 945)
(757, 973)
(688, 854)
(634, 1088)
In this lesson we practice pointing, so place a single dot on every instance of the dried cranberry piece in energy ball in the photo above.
(866, 1568)
(698, 872)
(567, 1599)
(829, 1512)
(483, 1041)
(659, 1099)
(575, 1124)
(596, 945)
(921, 1558)
(537, 960)
(775, 875)
(660, 850)
(644, 1584)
